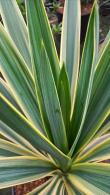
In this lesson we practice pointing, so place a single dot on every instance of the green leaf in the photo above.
(11, 149)
(5, 90)
(84, 186)
(99, 108)
(103, 130)
(93, 176)
(86, 76)
(18, 77)
(47, 96)
(16, 27)
(14, 137)
(51, 103)
(17, 170)
(102, 69)
(99, 115)
(38, 24)
(70, 40)
(70, 43)
(17, 122)
(64, 97)
(97, 150)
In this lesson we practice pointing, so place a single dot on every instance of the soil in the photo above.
(85, 10)
(26, 188)
(104, 26)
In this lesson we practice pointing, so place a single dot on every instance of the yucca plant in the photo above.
(53, 111)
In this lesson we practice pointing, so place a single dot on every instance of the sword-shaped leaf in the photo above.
(46, 91)
(64, 97)
(17, 170)
(15, 120)
(70, 43)
(38, 24)
(94, 177)
(86, 76)
(5, 90)
(18, 77)
(10, 149)
(16, 27)
(98, 150)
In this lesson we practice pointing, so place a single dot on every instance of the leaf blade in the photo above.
(33, 136)
(87, 70)
(16, 27)
(18, 77)
(17, 170)
(36, 10)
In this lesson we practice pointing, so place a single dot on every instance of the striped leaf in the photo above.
(15, 137)
(5, 90)
(86, 76)
(17, 170)
(70, 43)
(12, 118)
(103, 130)
(49, 105)
(99, 108)
(16, 27)
(91, 178)
(98, 150)
(18, 77)
(38, 24)
(54, 116)
(10, 149)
